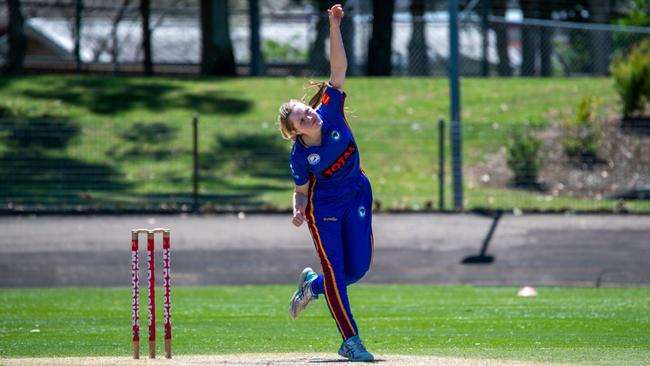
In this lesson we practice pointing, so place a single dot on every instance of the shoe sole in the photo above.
(303, 275)
(301, 280)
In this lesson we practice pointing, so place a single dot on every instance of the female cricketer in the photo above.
(332, 194)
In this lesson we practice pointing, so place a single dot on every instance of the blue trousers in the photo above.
(342, 232)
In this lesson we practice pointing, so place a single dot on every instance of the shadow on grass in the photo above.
(44, 178)
(35, 168)
(255, 155)
(109, 96)
(151, 141)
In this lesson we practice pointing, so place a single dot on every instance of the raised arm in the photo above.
(338, 60)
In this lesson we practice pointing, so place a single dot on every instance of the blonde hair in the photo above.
(284, 125)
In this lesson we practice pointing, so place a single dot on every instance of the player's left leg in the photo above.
(357, 257)
(358, 247)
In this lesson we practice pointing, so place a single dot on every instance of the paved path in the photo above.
(586, 250)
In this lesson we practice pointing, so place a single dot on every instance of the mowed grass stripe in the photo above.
(577, 325)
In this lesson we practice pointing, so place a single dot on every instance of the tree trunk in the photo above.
(545, 45)
(317, 60)
(501, 31)
(145, 11)
(601, 41)
(418, 59)
(115, 49)
(529, 39)
(380, 45)
(77, 34)
(347, 33)
(257, 59)
(17, 41)
(485, 33)
(217, 57)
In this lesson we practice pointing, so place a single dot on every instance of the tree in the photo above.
(317, 60)
(77, 33)
(501, 30)
(347, 33)
(601, 41)
(17, 41)
(379, 47)
(529, 37)
(217, 57)
(418, 59)
(257, 59)
(145, 12)
(545, 45)
(115, 49)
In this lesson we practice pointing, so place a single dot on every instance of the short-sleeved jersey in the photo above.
(335, 163)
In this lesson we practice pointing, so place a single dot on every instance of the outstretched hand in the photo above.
(336, 14)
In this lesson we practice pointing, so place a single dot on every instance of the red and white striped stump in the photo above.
(151, 299)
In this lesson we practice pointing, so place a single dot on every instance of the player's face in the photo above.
(304, 119)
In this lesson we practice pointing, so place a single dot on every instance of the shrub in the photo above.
(636, 16)
(632, 78)
(282, 52)
(523, 158)
(582, 132)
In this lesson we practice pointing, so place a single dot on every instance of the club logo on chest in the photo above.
(313, 159)
(335, 135)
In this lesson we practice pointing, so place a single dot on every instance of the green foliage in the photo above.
(637, 16)
(282, 52)
(523, 158)
(582, 132)
(575, 54)
(632, 78)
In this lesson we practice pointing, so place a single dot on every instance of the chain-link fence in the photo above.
(557, 167)
(99, 36)
(120, 166)
(294, 39)
(53, 159)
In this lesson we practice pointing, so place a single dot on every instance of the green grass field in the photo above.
(130, 138)
(606, 326)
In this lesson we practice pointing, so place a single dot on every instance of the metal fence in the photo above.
(54, 162)
(110, 40)
(117, 166)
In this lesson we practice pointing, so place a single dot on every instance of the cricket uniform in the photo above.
(339, 209)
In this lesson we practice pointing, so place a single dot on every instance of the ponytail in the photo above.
(316, 99)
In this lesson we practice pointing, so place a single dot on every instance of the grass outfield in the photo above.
(244, 160)
(608, 326)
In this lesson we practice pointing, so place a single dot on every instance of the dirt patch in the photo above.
(621, 166)
(263, 359)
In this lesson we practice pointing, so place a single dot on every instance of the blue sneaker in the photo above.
(354, 350)
(303, 295)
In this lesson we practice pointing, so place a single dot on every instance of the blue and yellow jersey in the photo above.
(335, 163)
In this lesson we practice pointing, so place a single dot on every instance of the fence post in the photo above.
(195, 159)
(454, 90)
(441, 164)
